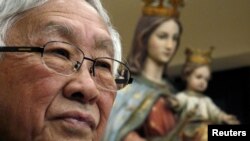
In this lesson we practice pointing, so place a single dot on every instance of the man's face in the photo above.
(39, 105)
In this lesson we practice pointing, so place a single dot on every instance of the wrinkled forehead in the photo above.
(75, 20)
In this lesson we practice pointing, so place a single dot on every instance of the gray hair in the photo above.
(10, 11)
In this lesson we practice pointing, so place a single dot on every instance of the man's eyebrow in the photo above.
(101, 44)
(53, 27)
(105, 45)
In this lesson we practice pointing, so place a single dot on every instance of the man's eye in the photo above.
(103, 65)
(61, 53)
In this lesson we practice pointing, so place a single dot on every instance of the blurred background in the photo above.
(224, 24)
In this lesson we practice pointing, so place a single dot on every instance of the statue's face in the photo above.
(198, 79)
(163, 42)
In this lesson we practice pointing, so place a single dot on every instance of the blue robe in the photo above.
(132, 106)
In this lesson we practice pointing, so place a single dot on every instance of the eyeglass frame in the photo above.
(41, 50)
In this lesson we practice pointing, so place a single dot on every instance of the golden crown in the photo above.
(160, 8)
(199, 56)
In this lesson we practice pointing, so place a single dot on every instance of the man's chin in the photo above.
(64, 133)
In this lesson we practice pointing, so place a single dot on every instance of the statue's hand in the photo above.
(230, 119)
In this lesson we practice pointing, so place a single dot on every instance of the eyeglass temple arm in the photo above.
(21, 49)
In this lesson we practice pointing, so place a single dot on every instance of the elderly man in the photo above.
(59, 70)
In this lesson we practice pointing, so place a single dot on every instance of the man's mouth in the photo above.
(77, 119)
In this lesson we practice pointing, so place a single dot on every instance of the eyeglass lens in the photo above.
(66, 59)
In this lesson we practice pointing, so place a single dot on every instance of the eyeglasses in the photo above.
(66, 59)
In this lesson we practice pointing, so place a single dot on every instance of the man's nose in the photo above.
(82, 87)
